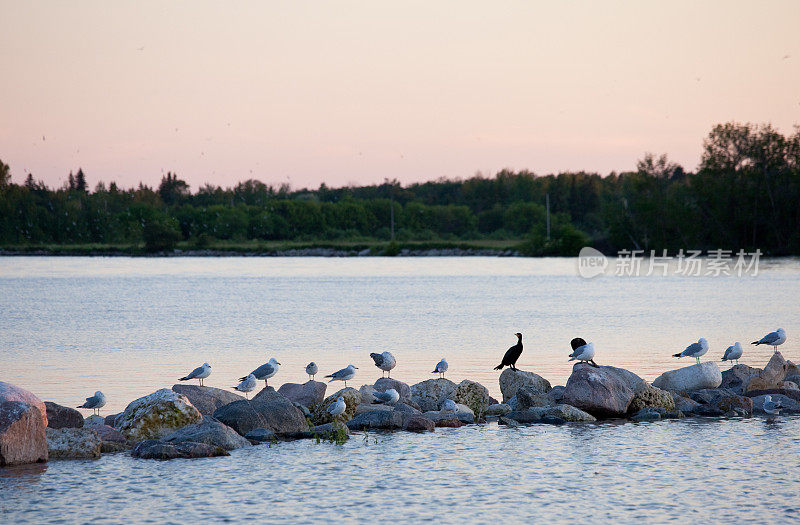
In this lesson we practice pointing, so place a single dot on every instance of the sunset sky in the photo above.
(356, 92)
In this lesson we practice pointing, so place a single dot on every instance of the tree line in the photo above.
(744, 195)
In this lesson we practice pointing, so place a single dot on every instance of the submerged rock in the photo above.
(209, 432)
(261, 435)
(601, 391)
(690, 378)
(474, 395)
(156, 449)
(206, 399)
(23, 420)
(512, 380)
(62, 417)
(430, 394)
(651, 397)
(157, 415)
(646, 414)
(73, 443)
(307, 394)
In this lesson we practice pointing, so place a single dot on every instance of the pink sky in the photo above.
(355, 92)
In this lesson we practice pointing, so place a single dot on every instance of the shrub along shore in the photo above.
(191, 421)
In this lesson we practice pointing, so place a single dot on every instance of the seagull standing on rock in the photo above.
(311, 370)
(695, 350)
(248, 384)
(771, 407)
(265, 371)
(778, 337)
(733, 352)
(582, 351)
(344, 374)
(512, 354)
(440, 368)
(96, 402)
(390, 397)
(384, 361)
(200, 373)
(338, 407)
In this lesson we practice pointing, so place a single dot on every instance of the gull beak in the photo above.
(277, 362)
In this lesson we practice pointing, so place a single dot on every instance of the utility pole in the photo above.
(547, 200)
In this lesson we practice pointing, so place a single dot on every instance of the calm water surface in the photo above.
(71, 326)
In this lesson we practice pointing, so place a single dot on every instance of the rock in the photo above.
(523, 416)
(631, 380)
(206, 399)
(463, 414)
(62, 417)
(552, 420)
(377, 419)
(352, 398)
(528, 397)
(738, 377)
(73, 443)
(498, 410)
(304, 409)
(651, 397)
(474, 395)
(209, 432)
(363, 407)
(112, 420)
(721, 401)
(509, 422)
(452, 422)
(406, 409)
(94, 420)
(790, 385)
(307, 394)
(646, 414)
(684, 404)
(690, 378)
(333, 431)
(790, 406)
(430, 394)
(771, 378)
(268, 409)
(600, 391)
(155, 449)
(513, 380)
(111, 439)
(23, 420)
(417, 423)
(562, 411)
(493, 401)
(367, 392)
(157, 415)
(385, 383)
(261, 435)
(556, 395)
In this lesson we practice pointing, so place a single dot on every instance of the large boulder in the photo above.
(210, 432)
(690, 378)
(385, 383)
(600, 391)
(474, 395)
(157, 415)
(23, 420)
(352, 398)
(376, 419)
(307, 394)
(430, 394)
(512, 380)
(651, 397)
(62, 417)
(771, 378)
(156, 449)
(527, 397)
(738, 377)
(73, 443)
(268, 409)
(206, 399)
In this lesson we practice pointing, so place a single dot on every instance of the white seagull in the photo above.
(778, 337)
(695, 350)
(311, 370)
(96, 402)
(201, 372)
(337, 408)
(733, 352)
(248, 384)
(771, 407)
(449, 406)
(384, 361)
(390, 397)
(582, 351)
(440, 368)
(344, 374)
(265, 371)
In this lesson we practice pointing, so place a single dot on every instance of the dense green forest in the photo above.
(744, 195)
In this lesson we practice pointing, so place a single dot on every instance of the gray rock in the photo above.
(513, 423)
(498, 410)
(364, 407)
(771, 378)
(513, 380)
(601, 391)
(156, 415)
(790, 406)
(690, 378)
(684, 404)
(94, 420)
(261, 435)
(377, 419)
(556, 395)
(268, 409)
(23, 420)
(62, 417)
(367, 394)
(211, 433)
(738, 377)
(406, 409)
(563, 411)
(156, 449)
(112, 420)
(73, 443)
(721, 401)
(385, 383)
(206, 399)
(307, 394)
(464, 414)
(430, 394)
(474, 395)
(352, 398)
(651, 397)
(646, 414)
(528, 397)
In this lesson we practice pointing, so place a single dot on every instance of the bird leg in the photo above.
(591, 362)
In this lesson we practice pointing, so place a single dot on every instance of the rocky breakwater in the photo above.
(23, 420)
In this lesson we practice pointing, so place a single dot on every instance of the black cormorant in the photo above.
(512, 354)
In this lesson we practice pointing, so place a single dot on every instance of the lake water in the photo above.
(128, 326)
